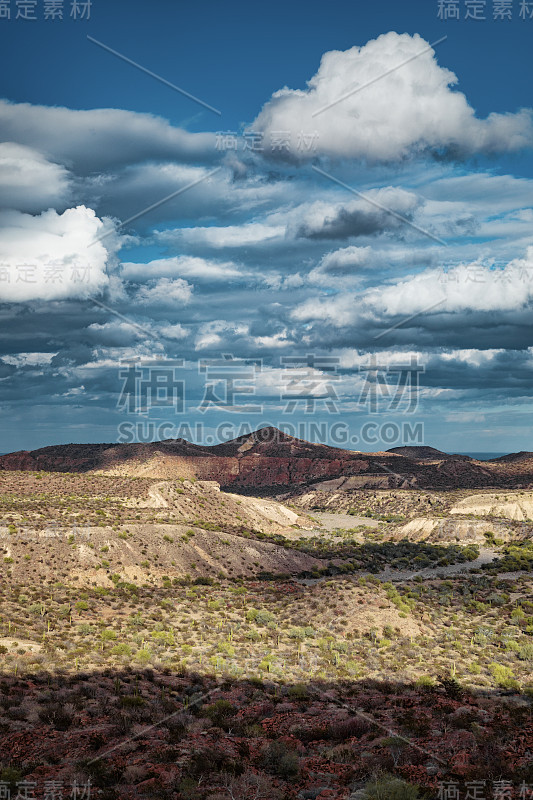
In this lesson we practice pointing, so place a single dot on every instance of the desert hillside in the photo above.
(161, 636)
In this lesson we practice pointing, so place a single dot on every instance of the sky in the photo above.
(218, 217)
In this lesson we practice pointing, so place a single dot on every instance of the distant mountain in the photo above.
(273, 443)
(482, 455)
(523, 455)
(426, 453)
(268, 461)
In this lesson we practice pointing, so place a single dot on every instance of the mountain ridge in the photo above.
(269, 460)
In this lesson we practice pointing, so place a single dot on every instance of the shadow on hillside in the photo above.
(145, 733)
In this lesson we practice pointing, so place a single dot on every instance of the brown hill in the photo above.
(269, 461)
(523, 455)
(427, 453)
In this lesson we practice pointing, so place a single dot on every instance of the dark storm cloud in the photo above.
(346, 223)
(508, 371)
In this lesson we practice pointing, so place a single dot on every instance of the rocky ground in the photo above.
(144, 734)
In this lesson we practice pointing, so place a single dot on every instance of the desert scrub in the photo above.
(389, 787)
(503, 676)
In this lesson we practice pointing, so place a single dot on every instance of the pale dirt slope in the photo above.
(452, 531)
(205, 499)
(512, 505)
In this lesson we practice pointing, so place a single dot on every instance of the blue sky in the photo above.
(393, 224)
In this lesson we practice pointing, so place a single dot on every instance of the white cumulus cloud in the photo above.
(165, 292)
(372, 108)
(53, 256)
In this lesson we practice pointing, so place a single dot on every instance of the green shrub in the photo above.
(503, 676)
(525, 652)
(143, 655)
(297, 633)
(219, 711)
(132, 701)
(298, 692)
(281, 760)
(425, 682)
(122, 649)
(263, 617)
(11, 776)
(388, 787)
